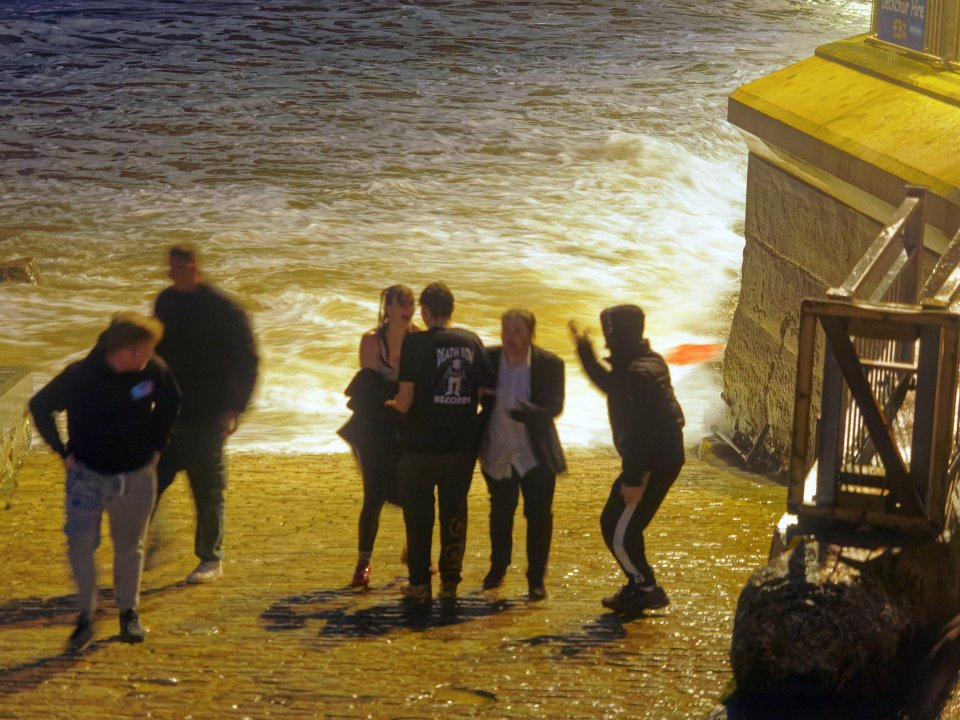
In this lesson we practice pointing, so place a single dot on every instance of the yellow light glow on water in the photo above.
(522, 170)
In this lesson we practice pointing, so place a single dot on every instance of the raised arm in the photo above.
(598, 374)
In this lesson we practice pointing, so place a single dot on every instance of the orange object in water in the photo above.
(693, 353)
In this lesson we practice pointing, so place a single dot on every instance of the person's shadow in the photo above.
(46, 612)
(607, 629)
(347, 615)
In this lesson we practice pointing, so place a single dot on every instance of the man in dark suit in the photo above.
(520, 450)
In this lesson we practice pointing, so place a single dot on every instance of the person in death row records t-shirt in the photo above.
(448, 367)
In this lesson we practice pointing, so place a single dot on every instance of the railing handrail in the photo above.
(889, 390)
(942, 288)
(906, 226)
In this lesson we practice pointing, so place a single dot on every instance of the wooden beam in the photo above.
(890, 315)
(890, 410)
(900, 523)
(849, 362)
(924, 408)
(800, 442)
(944, 413)
(830, 431)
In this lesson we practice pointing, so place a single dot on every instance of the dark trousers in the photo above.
(450, 474)
(537, 487)
(198, 449)
(623, 525)
(378, 466)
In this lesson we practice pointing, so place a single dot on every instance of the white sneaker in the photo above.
(206, 571)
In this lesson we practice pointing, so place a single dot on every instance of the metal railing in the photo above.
(886, 443)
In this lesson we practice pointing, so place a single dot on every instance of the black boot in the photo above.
(82, 634)
(131, 630)
(636, 598)
(494, 578)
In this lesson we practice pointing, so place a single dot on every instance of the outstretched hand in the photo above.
(526, 412)
(576, 332)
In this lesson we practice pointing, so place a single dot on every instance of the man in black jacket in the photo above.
(520, 451)
(647, 425)
(209, 346)
(121, 404)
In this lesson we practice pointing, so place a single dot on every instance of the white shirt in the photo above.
(506, 443)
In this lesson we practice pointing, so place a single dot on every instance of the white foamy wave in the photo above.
(571, 160)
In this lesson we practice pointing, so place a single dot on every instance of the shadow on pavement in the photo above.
(31, 675)
(605, 630)
(60, 610)
(348, 615)
(27, 611)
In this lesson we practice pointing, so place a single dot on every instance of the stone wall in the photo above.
(799, 243)
(16, 388)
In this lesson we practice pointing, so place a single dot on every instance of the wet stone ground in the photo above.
(282, 637)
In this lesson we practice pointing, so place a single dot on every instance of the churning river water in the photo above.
(562, 156)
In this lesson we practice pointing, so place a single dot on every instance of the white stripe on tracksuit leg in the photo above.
(619, 550)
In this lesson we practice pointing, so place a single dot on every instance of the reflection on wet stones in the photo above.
(463, 695)
(295, 641)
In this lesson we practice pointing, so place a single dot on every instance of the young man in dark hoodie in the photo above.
(442, 370)
(647, 425)
(209, 346)
(121, 405)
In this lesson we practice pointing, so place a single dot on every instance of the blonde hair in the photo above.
(127, 329)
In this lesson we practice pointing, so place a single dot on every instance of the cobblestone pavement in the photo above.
(280, 636)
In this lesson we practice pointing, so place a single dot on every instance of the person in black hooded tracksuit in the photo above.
(647, 423)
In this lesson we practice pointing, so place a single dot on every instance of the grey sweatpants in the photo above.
(128, 499)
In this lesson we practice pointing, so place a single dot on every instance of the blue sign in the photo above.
(903, 23)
